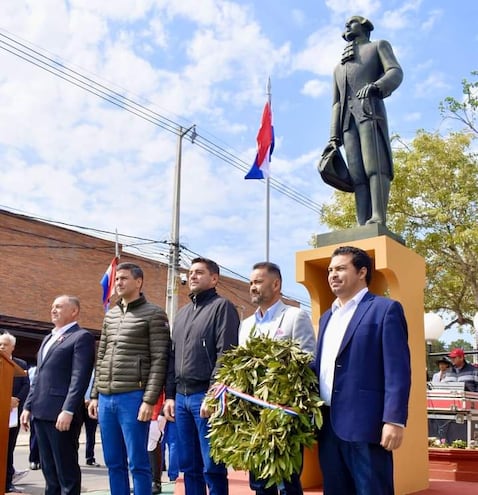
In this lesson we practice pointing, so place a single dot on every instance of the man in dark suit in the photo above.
(363, 367)
(21, 385)
(367, 73)
(65, 363)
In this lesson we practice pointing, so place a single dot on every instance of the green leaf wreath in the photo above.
(246, 436)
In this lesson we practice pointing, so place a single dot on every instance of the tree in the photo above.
(433, 207)
(463, 111)
(460, 344)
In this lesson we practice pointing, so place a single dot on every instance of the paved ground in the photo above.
(94, 480)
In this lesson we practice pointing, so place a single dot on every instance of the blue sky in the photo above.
(69, 156)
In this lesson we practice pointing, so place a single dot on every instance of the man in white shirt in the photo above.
(276, 320)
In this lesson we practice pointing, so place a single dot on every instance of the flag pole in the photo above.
(268, 213)
(116, 244)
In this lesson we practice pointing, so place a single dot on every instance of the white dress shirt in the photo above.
(56, 333)
(334, 334)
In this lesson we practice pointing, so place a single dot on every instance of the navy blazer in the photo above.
(62, 378)
(372, 371)
(21, 384)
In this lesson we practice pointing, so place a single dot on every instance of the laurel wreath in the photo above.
(246, 436)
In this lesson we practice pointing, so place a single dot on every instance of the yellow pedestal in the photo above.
(400, 274)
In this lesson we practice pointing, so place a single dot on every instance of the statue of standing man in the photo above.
(367, 73)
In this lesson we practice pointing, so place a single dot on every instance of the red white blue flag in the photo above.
(108, 283)
(265, 146)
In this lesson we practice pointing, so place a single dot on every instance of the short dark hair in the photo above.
(360, 259)
(211, 265)
(135, 270)
(270, 267)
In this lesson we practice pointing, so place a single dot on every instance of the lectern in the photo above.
(8, 370)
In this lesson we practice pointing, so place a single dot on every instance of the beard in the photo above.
(256, 298)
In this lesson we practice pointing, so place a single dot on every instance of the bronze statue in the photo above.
(367, 73)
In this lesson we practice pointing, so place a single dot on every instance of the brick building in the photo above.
(40, 260)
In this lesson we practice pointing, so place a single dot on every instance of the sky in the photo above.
(70, 156)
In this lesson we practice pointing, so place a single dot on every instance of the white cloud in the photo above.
(402, 17)
(322, 52)
(353, 7)
(434, 82)
(316, 88)
(433, 18)
(412, 117)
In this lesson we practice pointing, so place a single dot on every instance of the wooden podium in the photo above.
(8, 370)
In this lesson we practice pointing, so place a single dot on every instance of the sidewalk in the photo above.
(95, 480)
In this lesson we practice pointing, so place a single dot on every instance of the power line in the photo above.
(157, 249)
(61, 70)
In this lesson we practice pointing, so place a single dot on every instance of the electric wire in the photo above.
(61, 70)
(152, 248)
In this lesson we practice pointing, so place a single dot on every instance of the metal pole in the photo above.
(268, 188)
(172, 288)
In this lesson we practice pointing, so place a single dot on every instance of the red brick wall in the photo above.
(39, 261)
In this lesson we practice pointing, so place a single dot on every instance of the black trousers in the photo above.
(34, 455)
(90, 433)
(59, 457)
(12, 440)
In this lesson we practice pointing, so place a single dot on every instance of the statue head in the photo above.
(365, 28)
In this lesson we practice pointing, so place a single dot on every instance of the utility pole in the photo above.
(172, 288)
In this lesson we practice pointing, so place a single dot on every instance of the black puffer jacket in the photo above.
(203, 330)
(133, 351)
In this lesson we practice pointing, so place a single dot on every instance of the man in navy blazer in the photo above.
(65, 362)
(363, 367)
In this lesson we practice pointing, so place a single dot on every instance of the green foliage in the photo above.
(463, 110)
(460, 344)
(459, 444)
(267, 442)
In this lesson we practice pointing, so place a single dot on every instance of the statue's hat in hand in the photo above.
(333, 169)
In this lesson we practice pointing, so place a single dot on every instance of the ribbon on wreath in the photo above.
(220, 394)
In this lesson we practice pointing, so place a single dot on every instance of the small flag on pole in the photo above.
(265, 146)
(108, 283)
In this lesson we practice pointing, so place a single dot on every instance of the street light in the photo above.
(434, 328)
(475, 326)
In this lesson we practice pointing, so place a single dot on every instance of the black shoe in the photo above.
(13, 489)
(34, 466)
(156, 488)
(93, 463)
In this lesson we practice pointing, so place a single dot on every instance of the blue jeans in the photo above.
(170, 441)
(125, 439)
(193, 449)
